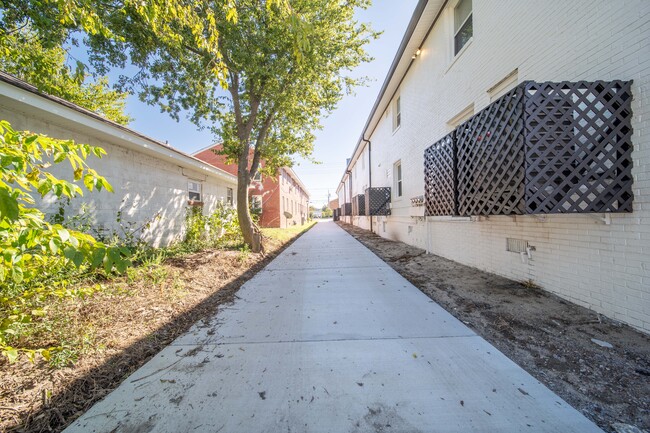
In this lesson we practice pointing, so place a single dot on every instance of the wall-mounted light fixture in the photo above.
(417, 53)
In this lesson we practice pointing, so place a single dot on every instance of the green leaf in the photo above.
(97, 257)
(46, 354)
(89, 181)
(17, 274)
(121, 266)
(63, 234)
(69, 252)
(11, 354)
(54, 248)
(8, 206)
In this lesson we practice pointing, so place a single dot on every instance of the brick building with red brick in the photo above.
(283, 198)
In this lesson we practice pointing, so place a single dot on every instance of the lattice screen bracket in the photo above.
(604, 218)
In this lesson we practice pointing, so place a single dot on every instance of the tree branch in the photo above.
(259, 142)
(234, 92)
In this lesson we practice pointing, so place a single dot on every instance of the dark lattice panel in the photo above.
(377, 201)
(358, 205)
(335, 214)
(490, 158)
(440, 177)
(346, 209)
(578, 147)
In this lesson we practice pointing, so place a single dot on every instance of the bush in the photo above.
(38, 257)
(211, 231)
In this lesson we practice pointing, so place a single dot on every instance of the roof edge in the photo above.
(410, 29)
(23, 85)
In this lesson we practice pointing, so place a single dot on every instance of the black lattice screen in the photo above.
(377, 201)
(358, 205)
(578, 147)
(335, 214)
(346, 209)
(541, 148)
(490, 157)
(440, 177)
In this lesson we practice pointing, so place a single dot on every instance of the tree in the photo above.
(326, 212)
(281, 65)
(23, 55)
(277, 93)
(159, 37)
(281, 62)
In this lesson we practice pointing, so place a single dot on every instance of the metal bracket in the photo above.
(605, 218)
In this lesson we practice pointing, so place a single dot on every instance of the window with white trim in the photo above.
(397, 113)
(194, 190)
(258, 176)
(229, 196)
(463, 28)
(397, 176)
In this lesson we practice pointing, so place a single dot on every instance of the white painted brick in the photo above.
(603, 267)
(145, 186)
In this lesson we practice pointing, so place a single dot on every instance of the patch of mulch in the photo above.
(127, 324)
(548, 336)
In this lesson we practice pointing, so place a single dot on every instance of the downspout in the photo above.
(369, 173)
(344, 194)
(349, 173)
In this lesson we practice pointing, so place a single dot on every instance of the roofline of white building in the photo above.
(297, 179)
(424, 17)
(56, 108)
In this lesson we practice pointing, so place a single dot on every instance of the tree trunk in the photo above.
(251, 236)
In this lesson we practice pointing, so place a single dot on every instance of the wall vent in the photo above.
(516, 245)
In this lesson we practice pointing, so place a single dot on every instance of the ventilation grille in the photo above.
(516, 245)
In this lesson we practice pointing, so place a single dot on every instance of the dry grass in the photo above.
(117, 329)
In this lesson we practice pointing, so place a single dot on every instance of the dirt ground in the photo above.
(546, 335)
(127, 324)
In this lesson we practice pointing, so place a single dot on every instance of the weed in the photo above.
(63, 357)
(530, 284)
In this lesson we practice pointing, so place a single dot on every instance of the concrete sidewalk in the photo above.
(328, 338)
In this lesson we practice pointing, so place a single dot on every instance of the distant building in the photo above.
(333, 204)
(282, 199)
(153, 182)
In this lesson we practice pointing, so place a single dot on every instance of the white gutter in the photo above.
(422, 21)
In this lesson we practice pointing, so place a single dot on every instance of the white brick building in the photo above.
(456, 58)
(152, 181)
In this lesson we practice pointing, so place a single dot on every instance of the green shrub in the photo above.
(38, 257)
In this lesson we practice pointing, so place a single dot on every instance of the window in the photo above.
(258, 176)
(397, 113)
(397, 175)
(229, 196)
(463, 29)
(194, 190)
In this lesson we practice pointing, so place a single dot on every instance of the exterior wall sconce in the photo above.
(417, 53)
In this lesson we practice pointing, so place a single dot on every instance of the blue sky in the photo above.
(341, 129)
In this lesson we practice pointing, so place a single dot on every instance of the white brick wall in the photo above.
(603, 267)
(144, 186)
